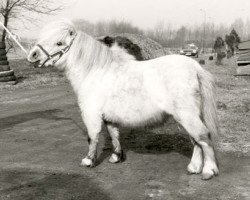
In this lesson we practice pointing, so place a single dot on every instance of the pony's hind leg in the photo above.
(196, 163)
(197, 130)
(117, 155)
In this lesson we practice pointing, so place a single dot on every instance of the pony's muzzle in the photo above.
(34, 58)
(34, 55)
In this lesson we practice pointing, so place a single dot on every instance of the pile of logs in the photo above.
(243, 59)
(6, 74)
(244, 53)
(243, 70)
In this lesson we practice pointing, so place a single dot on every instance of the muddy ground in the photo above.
(43, 140)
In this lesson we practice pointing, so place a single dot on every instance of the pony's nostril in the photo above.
(34, 55)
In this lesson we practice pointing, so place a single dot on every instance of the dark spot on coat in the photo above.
(123, 42)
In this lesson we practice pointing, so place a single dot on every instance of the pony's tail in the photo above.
(208, 102)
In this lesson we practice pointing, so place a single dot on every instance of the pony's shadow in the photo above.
(11, 121)
(169, 138)
(166, 139)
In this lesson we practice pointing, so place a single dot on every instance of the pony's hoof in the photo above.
(208, 174)
(114, 158)
(87, 162)
(192, 169)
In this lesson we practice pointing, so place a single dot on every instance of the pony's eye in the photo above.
(59, 43)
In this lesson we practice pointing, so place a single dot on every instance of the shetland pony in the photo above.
(116, 90)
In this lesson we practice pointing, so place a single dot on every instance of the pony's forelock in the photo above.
(57, 29)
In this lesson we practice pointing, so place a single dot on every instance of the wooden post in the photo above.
(6, 74)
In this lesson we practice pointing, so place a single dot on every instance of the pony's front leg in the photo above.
(94, 127)
(117, 155)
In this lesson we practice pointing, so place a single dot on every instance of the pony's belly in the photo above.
(136, 114)
(134, 119)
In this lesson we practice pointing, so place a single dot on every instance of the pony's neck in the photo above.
(85, 56)
(89, 54)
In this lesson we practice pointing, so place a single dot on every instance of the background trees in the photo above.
(23, 11)
(174, 37)
(163, 32)
(102, 28)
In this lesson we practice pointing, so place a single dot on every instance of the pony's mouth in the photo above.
(39, 64)
(35, 64)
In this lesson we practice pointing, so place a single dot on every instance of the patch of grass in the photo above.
(234, 117)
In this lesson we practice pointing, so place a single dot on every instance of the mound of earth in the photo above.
(142, 47)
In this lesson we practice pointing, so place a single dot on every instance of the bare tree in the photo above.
(21, 10)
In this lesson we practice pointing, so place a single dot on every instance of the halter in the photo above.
(60, 53)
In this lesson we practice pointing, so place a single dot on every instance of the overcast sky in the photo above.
(146, 13)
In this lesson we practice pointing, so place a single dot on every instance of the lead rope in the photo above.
(12, 36)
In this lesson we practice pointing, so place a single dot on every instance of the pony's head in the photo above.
(54, 42)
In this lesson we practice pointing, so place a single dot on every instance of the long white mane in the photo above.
(56, 30)
(90, 53)
(85, 50)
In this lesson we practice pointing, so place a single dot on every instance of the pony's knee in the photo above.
(206, 137)
(201, 135)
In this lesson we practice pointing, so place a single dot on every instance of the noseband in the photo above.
(60, 53)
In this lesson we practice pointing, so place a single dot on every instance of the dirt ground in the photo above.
(43, 140)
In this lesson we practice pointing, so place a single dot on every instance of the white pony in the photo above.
(115, 89)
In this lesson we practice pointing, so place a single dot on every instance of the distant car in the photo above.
(190, 50)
